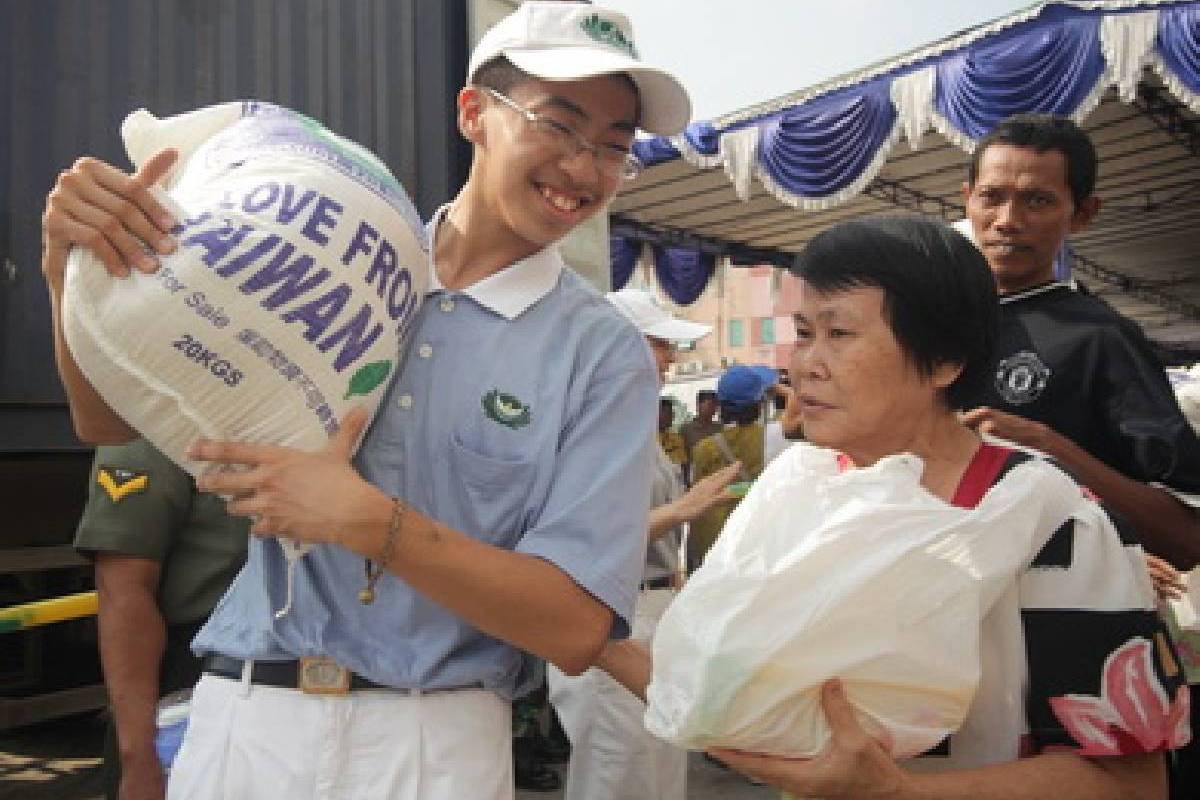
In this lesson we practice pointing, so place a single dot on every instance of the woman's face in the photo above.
(858, 392)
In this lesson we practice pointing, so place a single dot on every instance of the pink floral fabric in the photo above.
(1133, 713)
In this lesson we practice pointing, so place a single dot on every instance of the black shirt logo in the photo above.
(1021, 378)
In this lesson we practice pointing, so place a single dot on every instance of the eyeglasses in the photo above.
(611, 160)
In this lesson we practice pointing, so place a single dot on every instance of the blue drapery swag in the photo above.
(1059, 57)
(1178, 47)
(1052, 69)
(683, 272)
(623, 253)
(823, 147)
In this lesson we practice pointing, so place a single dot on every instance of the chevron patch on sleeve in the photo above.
(119, 483)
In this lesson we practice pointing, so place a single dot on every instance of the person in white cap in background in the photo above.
(488, 520)
(613, 757)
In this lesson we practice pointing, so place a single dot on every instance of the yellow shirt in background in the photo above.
(746, 444)
(673, 445)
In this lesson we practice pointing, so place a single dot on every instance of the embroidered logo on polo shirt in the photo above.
(1021, 378)
(607, 32)
(119, 483)
(505, 409)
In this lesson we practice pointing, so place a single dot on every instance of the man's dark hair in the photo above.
(1043, 133)
(939, 297)
(740, 415)
(705, 394)
(501, 75)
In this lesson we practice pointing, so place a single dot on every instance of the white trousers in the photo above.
(613, 757)
(250, 742)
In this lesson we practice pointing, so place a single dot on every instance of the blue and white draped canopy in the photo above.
(817, 149)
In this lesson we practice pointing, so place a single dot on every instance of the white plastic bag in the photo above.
(863, 576)
(1186, 608)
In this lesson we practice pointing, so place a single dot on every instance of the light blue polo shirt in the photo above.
(523, 415)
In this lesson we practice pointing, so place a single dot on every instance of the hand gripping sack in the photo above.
(861, 575)
(301, 263)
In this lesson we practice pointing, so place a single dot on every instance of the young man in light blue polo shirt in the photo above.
(498, 505)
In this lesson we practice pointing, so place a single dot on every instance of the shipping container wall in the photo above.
(382, 72)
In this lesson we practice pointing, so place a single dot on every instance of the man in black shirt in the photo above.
(1073, 378)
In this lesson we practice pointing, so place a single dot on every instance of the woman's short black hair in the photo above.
(939, 297)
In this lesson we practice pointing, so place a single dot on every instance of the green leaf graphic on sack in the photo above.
(367, 378)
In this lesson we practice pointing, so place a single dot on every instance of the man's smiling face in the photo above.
(539, 193)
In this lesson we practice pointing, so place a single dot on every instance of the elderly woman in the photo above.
(1062, 710)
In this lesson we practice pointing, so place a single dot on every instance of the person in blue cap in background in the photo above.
(740, 393)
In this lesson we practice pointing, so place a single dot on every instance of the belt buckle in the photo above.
(323, 675)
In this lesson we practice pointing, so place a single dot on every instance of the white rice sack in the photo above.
(301, 263)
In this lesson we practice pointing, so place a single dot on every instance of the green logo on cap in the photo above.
(606, 32)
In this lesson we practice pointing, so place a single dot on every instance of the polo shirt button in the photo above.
(405, 401)
(446, 305)
(425, 350)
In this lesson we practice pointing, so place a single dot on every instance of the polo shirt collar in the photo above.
(1034, 291)
(514, 288)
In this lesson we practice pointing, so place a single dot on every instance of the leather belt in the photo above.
(661, 582)
(283, 674)
(317, 675)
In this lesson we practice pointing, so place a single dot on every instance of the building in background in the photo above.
(750, 310)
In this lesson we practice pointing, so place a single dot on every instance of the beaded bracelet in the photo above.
(374, 569)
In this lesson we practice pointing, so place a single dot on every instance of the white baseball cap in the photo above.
(558, 41)
(651, 319)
